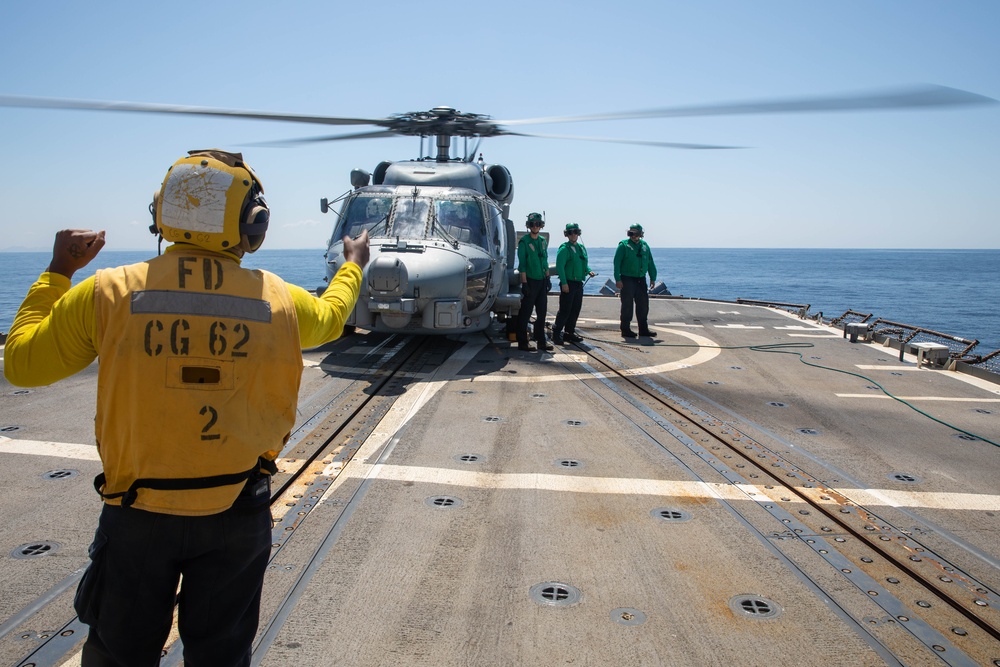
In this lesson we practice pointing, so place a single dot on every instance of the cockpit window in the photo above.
(461, 220)
(416, 218)
(409, 220)
(366, 213)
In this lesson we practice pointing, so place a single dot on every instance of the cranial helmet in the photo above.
(637, 228)
(572, 227)
(535, 218)
(211, 199)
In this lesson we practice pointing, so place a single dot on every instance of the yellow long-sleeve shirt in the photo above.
(54, 333)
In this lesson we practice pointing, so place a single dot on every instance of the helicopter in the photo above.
(443, 245)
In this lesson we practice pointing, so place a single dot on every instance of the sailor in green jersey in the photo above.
(533, 265)
(572, 266)
(633, 261)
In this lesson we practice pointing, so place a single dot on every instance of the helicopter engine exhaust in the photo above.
(499, 182)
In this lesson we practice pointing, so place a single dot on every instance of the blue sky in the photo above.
(889, 179)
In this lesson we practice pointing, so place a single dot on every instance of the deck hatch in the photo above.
(35, 550)
(444, 502)
(555, 594)
(754, 606)
(670, 514)
(64, 473)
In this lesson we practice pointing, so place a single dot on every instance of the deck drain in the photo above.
(65, 473)
(444, 502)
(807, 431)
(966, 436)
(670, 514)
(492, 419)
(569, 463)
(35, 549)
(20, 392)
(904, 477)
(466, 392)
(754, 606)
(627, 616)
(469, 458)
(555, 594)
(984, 411)
(539, 395)
(9, 429)
(575, 422)
(778, 404)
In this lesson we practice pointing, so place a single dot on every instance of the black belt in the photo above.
(182, 483)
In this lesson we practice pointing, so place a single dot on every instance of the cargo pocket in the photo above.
(88, 594)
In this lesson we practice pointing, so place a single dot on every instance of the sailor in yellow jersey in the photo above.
(200, 363)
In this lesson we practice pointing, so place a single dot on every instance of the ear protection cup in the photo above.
(253, 221)
(152, 211)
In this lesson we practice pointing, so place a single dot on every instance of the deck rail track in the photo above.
(956, 616)
(307, 467)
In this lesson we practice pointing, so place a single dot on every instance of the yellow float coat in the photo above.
(177, 398)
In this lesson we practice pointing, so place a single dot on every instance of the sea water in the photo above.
(956, 292)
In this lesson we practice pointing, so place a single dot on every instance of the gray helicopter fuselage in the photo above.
(441, 253)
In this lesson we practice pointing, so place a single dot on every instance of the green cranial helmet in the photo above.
(535, 219)
(635, 229)
(572, 228)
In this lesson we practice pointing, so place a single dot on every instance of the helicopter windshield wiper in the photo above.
(447, 235)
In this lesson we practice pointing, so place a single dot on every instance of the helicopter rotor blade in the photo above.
(336, 137)
(638, 142)
(918, 97)
(57, 103)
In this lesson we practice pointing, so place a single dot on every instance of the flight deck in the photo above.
(749, 487)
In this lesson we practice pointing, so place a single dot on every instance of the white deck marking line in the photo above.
(406, 406)
(62, 450)
(671, 488)
(951, 399)
(703, 355)
(738, 326)
(810, 335)
(985, 385)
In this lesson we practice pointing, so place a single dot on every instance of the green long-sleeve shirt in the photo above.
(571, 262)
(634, 260)
(533, 257)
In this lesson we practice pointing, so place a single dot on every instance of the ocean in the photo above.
(955, 292)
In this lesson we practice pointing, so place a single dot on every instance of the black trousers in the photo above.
(635, 292)
(534, 297)
(570, 304)
(127, 594)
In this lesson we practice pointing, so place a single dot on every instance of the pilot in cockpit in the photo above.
(458, 219)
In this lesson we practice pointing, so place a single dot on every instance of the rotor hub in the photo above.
(442, 121)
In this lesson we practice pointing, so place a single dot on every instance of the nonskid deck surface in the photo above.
(718, 495)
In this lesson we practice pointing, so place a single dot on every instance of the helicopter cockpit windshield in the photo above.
(452, 219)
(462, 220)
(367, 213)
